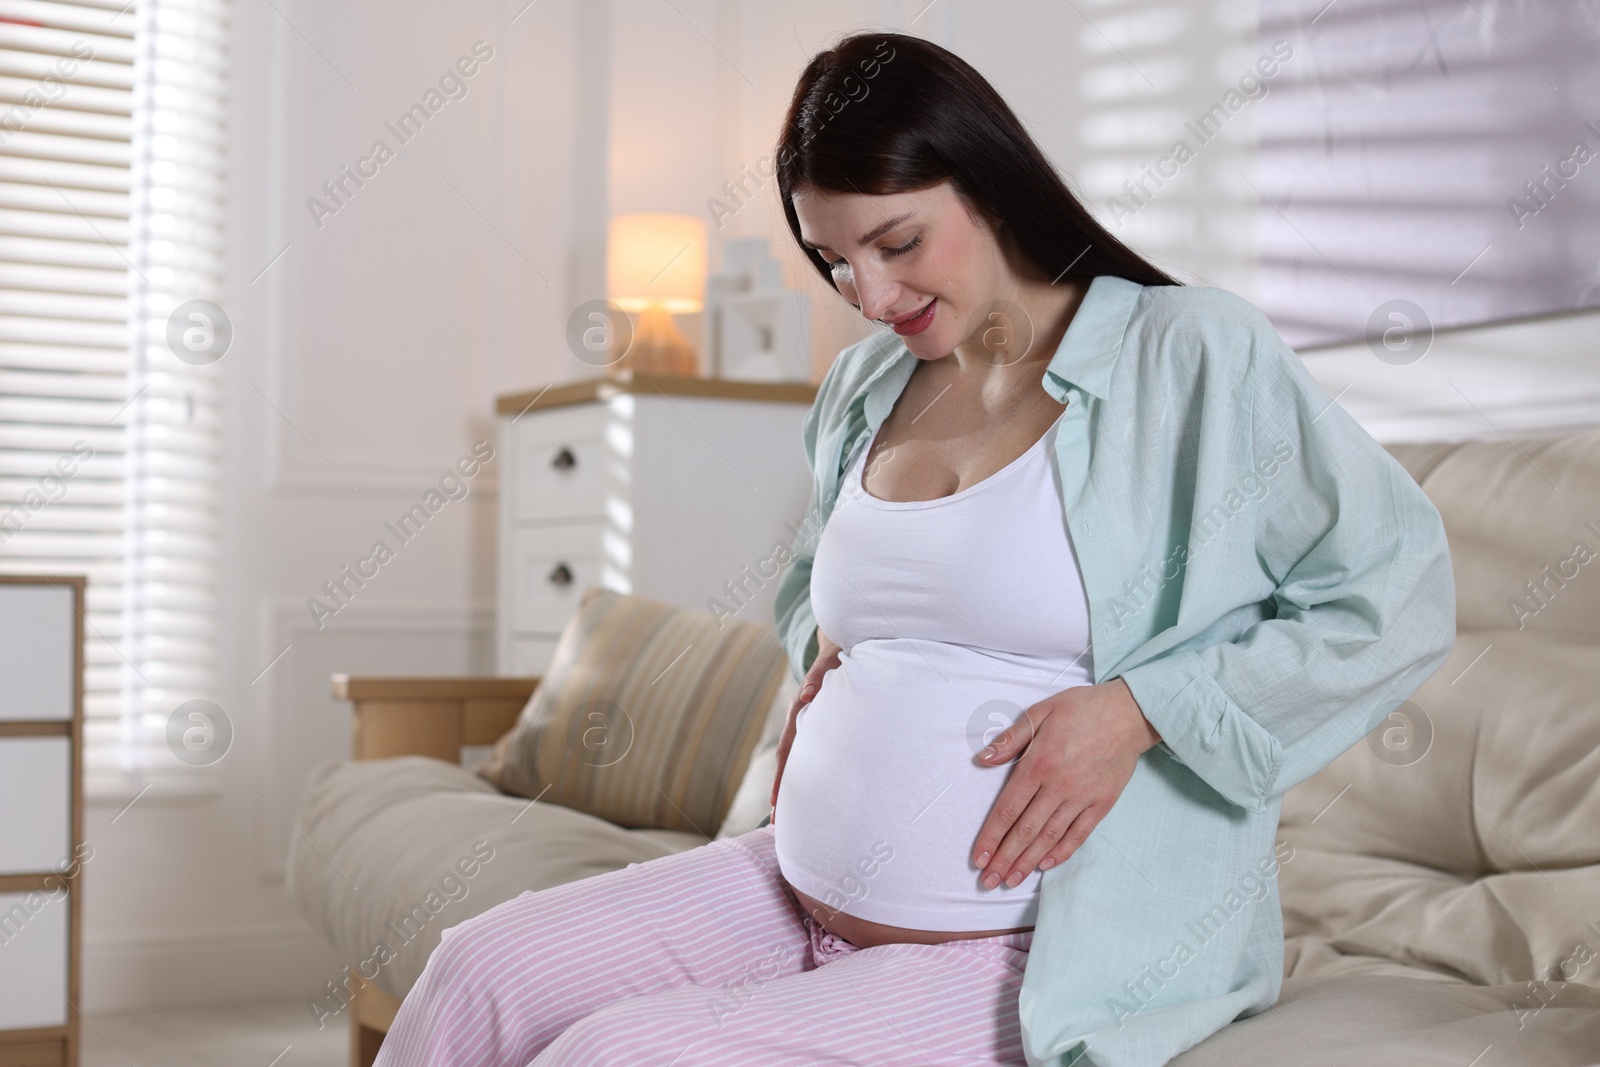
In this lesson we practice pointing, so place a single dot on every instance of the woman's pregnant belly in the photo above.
(882, 795)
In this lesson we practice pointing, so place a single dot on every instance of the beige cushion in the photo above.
(1388, 1020)
(1474, 856)
(1440, 901)
(647, 715)
(1510, 510)
(1480, 860)
(399, 830)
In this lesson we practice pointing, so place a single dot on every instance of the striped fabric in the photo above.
(701, 959)
(647, 716)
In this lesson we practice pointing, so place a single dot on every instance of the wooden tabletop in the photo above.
(603, 387)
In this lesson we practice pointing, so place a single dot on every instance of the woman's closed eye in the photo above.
(900, 251)
(903, 249)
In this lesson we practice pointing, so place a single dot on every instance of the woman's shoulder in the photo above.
(1201, 332)
(1202, 311)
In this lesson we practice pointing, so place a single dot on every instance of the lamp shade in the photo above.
(656, 259)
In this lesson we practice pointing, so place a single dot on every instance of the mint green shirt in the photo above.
(1267, 580)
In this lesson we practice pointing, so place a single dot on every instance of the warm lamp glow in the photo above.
(654, 259)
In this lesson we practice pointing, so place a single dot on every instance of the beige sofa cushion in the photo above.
(399, 830)
(1510, 510)
(1442, 898)
(1474, 854)
(1481, 859)
(1387, 1020)
(647, 716)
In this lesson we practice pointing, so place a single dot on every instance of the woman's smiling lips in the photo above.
(916, 323)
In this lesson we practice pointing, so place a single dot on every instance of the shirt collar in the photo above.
(1088, 351)
(1085, 358)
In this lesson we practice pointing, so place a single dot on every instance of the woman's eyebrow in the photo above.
(868, 238)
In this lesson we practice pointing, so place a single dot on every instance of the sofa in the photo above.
(1440, 882)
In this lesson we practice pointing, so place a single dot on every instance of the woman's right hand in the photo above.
(827, 659)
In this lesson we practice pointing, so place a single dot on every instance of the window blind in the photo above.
(111, 215)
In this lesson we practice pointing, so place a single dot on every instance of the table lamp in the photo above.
(656, 266)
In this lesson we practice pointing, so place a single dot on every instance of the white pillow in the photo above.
(753, 802)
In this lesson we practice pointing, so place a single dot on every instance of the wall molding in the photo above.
(207, 968)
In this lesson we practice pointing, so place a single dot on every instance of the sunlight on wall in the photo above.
(1166, 95)
(1428, 165)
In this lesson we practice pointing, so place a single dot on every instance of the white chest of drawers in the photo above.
(41, 730)
(669, 487)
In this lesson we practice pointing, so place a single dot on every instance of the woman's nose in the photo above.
(875, 296)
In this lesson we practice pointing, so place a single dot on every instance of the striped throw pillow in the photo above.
(647, 716)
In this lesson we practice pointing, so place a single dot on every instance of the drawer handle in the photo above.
(561, 575)
(564, 460)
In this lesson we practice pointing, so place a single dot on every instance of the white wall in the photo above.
(365, 362)
(368, 354)
(1517, 379)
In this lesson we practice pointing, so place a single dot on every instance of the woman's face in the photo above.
(918, 262)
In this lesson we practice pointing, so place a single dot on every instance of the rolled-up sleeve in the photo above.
(1364, 600)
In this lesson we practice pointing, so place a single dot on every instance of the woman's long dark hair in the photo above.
(882, 113)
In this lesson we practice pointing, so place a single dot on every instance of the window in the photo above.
(111, 217)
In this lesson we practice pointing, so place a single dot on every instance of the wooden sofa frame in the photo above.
(417, 717)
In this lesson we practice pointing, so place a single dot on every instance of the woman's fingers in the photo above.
(1047, 814)
(1063, 832)
(1020, 785)
(1075, 836)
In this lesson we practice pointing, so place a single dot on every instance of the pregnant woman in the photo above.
(1092, 573)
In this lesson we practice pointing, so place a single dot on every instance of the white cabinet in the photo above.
(33, 973)
(36, 654)
(41, 731)
(668, 487)
(35, 795)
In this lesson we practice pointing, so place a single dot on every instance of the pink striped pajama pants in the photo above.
(700, 958)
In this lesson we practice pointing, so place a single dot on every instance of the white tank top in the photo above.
(954, 615)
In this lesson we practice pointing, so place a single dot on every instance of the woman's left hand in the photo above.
(1079, 748)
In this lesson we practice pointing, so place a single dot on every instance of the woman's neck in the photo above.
(1020, 333)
